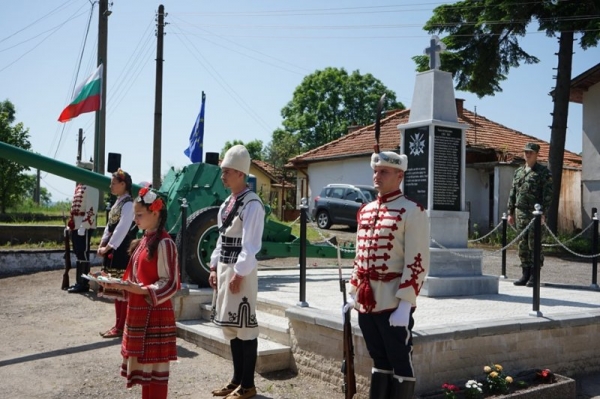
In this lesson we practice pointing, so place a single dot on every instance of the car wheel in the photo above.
(323, 220)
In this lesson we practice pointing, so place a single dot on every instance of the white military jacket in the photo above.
(392, 253)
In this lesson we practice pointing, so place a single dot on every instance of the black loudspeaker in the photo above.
(114, 162)
(212, 158)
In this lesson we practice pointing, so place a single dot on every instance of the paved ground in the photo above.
(566, 293)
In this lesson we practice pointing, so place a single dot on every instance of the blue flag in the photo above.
(194, 151)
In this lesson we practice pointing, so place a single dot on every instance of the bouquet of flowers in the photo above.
(450, 391)
(496, 381)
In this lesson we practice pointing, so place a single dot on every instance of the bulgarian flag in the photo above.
(86, 97)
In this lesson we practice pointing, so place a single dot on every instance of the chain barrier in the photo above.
(176, 223)
(486, 253)
(494, 253)
(568, 249)
(570, 239)
(487, 235)
(319, 231)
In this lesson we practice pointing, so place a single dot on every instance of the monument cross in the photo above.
(433, 51)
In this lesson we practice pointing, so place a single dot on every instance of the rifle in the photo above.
(67, 257)
(349, 386)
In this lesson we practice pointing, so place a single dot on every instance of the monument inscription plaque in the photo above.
(416, 178)
(447, 155)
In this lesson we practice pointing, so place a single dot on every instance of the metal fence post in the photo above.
(537, 252)
(303, 220)
(504, 241)
(595, 248)
(183, 234)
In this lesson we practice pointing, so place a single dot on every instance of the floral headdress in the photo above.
(149, 197)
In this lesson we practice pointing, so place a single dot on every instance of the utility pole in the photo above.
(79, 144)
(156, 162)
(100, 134)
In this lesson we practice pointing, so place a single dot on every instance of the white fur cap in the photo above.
(390, 159)
(238, 158)
(85, 165)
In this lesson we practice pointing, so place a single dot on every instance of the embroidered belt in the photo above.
(230, 249)
(364, 292)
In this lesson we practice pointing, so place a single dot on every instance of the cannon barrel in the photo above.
(62, 169)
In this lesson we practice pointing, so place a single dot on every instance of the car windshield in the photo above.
(370, 194)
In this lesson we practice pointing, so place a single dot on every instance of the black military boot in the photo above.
(402, 390)
(80, 286)
(531, 281)
(85, 269)
(525, 277)
(380, 385)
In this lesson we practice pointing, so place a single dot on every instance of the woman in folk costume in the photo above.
(392, 260)
(118, 233)
(234, 272)
(150, 335)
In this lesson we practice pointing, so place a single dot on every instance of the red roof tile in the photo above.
(502, 143)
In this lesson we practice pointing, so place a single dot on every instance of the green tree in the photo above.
(30, 184)
(283, 146)
(12, 178)
(254, 147)
(482, 45)
(327, 102)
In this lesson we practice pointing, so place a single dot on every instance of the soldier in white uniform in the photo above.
(392, 260)
(84, 210)
(234, 272)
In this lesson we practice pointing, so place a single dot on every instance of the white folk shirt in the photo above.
(392, 253)
(84, 208)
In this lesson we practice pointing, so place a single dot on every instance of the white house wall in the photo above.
(477, 199)
(590, 176)
(503, 175)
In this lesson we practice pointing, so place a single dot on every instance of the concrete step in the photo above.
(271, 326)
(188, 300)
(272, 356)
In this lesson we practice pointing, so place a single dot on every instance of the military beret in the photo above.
(532, 147)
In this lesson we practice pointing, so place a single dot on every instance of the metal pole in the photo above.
(183, 235)
(537, 251)
(504, 242)
(157, 143)
(303, 211)
(595, 248)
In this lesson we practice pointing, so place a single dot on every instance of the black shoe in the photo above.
(525, 277)
(531, 282)
(78, 289)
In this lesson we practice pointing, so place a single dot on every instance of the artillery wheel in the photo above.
(202, 234)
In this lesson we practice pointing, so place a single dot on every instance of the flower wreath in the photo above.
(150, 197)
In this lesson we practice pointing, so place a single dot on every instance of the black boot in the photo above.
(85, 269)
(380, 384)
(79, 287)
(531, 281)
(525, 277)
(402, 390)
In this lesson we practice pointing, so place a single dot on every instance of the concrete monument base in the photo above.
(457, 272)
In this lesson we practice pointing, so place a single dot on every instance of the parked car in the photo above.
(339, 204)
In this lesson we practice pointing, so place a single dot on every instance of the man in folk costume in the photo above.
(234, 272)
(392, 260)
(82, 223)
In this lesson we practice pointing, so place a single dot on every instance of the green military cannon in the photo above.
(201, 187)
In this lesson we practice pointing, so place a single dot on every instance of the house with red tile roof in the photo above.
(493, 152)
(585, 90)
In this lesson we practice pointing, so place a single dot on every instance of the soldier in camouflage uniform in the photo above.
(532, 184)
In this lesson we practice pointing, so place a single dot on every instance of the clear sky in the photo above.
(248, 57)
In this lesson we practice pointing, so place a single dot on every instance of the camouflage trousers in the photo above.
(526, 243)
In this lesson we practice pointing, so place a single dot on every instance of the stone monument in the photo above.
(434, 142)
